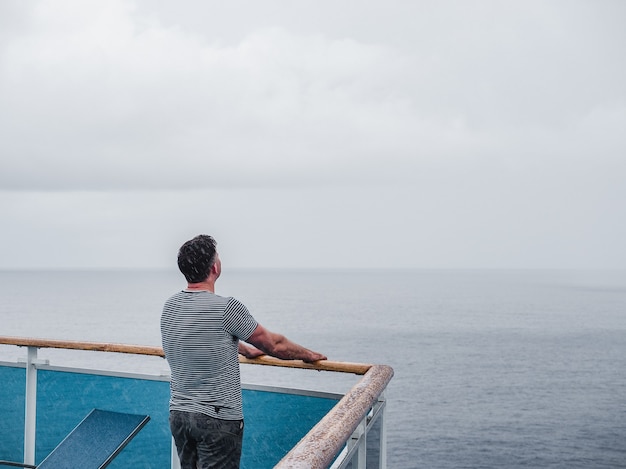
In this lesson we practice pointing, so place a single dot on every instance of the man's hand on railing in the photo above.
(249, 351)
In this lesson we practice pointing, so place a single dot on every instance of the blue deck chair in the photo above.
(93, 443)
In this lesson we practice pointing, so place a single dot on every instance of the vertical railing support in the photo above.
(382, 461)
(30, 412)
(362, 452)
(358, 440)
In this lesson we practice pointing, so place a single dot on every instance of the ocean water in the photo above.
(513, 369)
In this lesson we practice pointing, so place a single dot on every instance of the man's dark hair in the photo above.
(196, 257)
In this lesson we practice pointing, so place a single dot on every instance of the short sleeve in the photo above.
(237, 320)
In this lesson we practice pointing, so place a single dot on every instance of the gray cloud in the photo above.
(99, 96)
(455, 133)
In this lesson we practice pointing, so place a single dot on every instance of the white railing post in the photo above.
(382, 461)
(359, 440)
(362, 452)
(30, 415)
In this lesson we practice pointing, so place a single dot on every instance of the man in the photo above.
(201, 334)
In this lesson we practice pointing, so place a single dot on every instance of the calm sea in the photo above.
(492, 368)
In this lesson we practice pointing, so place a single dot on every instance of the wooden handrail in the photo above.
(75, 345)
(325, 365)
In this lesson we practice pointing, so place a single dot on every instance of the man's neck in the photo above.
(207, 285)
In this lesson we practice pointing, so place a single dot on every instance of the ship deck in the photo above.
(42, 401)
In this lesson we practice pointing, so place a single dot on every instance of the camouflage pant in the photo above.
(204, 442)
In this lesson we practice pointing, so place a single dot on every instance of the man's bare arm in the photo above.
(279, 346)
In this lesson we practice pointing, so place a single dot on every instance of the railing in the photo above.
(338, 440)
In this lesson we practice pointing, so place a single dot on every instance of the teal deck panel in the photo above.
(12, 400)
(274, 421)
(63, 400)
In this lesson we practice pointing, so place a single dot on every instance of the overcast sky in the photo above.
(403, 134)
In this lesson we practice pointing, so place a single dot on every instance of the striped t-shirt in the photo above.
(200, 333)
